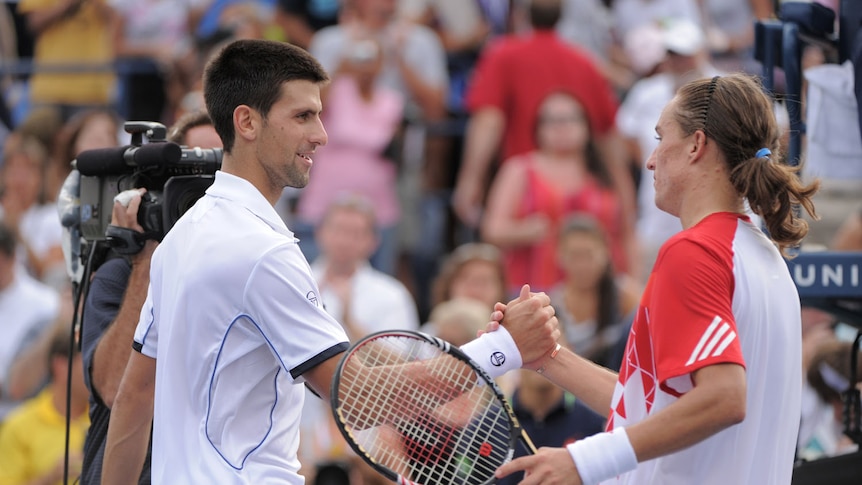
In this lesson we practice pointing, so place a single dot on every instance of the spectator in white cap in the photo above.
(669, 54)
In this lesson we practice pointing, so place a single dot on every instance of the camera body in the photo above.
(175, 178)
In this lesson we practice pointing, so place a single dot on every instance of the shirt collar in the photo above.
(241, 191)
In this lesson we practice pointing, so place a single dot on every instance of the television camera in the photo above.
(175, 178)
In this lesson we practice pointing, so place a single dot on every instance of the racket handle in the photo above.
(528, 443)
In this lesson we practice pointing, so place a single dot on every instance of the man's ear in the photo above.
(697, 148)
(246, 122)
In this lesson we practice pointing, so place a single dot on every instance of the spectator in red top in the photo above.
(512, 78)
(534, 193)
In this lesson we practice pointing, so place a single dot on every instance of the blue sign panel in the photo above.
(827, 274)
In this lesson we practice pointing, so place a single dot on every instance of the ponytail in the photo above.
(773, 189)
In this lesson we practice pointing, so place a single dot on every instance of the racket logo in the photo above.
(497, 359)
(485, 450)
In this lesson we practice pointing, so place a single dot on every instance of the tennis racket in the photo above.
(419, 411)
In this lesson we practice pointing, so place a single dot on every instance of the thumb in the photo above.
(525, 293)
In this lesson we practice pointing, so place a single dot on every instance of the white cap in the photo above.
(682, 36)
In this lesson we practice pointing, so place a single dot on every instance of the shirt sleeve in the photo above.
(488, 86)
(282, 297)
(147, 332)
(690, 312)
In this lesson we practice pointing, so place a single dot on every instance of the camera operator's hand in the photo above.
(126, 214)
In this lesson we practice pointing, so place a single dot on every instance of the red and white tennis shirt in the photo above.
(720, 292)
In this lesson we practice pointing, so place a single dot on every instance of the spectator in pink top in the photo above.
(361, 119)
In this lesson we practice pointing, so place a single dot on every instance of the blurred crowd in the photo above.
(474, 145)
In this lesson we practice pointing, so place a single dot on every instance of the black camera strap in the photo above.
(126, 241)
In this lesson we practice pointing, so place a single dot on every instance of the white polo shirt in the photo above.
(233, 318)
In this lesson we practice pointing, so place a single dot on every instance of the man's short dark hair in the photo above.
(185, 123)
(544, 14)
(7, 240)
(251, 72)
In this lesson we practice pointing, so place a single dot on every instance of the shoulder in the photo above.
(715, 232)
(281, 252)
(685, 246)
(281, 264)
(705, 250)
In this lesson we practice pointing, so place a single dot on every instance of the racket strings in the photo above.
(437, 426)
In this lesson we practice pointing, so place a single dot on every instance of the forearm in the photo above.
(131, 423)
(113, 350)
(589, 382)
(128, 437)
(698, 414)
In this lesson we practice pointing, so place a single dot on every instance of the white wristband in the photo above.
(495, 352)
(603, 456)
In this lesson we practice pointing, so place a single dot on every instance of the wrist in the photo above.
(552, 356)
(495, 352)
(143, 257)
(603, 456)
